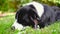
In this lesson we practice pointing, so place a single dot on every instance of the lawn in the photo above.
(7, 21)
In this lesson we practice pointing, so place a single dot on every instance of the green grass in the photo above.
(5, 25)
(7, 21)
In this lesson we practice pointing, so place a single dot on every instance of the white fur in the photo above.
(39, 7)
(17, 25)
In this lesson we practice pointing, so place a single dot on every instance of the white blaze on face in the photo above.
(39, 7)
(17, 25)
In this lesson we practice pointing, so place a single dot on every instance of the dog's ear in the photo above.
(33, 13)
(32, 6)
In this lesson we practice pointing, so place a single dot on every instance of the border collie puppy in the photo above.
(33, 14)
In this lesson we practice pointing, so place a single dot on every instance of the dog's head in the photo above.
(28, 15)
(24, 17)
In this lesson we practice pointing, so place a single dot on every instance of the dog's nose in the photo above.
(13, 28)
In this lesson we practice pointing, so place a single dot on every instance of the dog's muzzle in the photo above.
(17, 26)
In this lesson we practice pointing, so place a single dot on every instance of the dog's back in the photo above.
(57, 12)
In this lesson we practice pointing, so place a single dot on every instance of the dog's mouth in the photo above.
(36, 23)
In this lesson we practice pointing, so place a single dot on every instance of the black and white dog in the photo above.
(33, 14)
